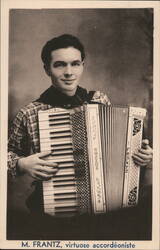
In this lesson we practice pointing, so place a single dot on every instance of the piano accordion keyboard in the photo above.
(59, 193)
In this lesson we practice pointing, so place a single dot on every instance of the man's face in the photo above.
(66, 68)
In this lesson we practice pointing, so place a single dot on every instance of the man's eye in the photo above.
(76, 63)
(58, 64)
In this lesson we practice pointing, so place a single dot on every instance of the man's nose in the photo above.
(68, 71)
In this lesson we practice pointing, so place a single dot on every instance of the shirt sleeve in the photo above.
(18, 143)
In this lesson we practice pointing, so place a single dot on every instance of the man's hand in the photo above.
(36, 167)
(144, 155)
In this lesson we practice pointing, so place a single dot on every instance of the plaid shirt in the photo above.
(24, 132)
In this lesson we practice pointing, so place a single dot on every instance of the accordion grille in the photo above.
(81, 161)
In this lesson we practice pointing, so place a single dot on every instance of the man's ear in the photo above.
(47, 70)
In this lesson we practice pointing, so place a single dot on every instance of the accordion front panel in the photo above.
(93, 146)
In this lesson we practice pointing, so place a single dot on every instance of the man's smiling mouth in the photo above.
(68, 80)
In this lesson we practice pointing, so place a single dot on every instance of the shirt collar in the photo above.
(55, 97)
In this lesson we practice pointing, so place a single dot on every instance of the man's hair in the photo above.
(63, 41)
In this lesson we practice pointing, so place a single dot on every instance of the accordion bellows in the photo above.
(93, 145)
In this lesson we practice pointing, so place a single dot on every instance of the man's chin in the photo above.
(69, 91)
(70, 87)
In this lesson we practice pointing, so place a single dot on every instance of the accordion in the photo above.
(93, 145)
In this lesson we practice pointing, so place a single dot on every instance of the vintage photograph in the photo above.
(80, 114)
(79, 137)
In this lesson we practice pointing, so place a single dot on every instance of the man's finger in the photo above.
(140, 159)
(47, 163)
(145, 143)
(43, 176)
(140, 164)
(146, 152)
(48, 170)
(43, 154)
(143, 156)
(37, 178)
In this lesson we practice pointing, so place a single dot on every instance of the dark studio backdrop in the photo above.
(118, 44)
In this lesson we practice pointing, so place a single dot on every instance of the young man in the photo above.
(63, 59)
